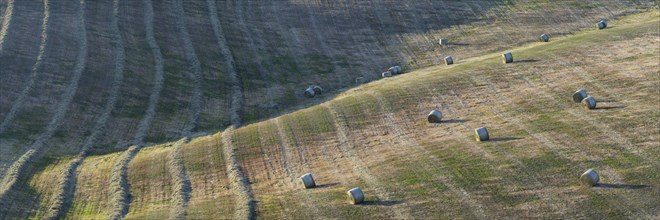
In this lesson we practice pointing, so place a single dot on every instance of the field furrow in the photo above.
(64, 193)
(195, 69)
(346, 147)
(159, 76)
(244, 207)
(6, 22)
(34, 73)
(181, 186)
(19, 171)
(236, 103)
(258, 58)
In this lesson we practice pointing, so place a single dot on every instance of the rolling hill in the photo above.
(90, 84)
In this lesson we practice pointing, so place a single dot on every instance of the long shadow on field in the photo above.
(621, 186)
(609, 107)
(503, 139)
(327, 185)
(381, 203)
(526, 61)
(456, 121)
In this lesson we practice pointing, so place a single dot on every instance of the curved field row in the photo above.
(9, 117)
(236, 102)
(180, 181)
(6, 22)
(18, 171)
(195, 71)
(64, 192)
(244, 200)
(540, 143)
(159, 77)
(252, 46)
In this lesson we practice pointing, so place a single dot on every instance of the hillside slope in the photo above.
(376, 137)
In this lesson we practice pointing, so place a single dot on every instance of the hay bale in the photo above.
(308, 180)
(589, 102)
(395, 70)
(589, 178)
(317, 90)
(545, 37)
(579, 95)
(435, 116)
(602, 24)
(481, 134)
(443, 41)
(386, 74)
(507, 57)
(449, 60)
(355, 195)
(309, 92)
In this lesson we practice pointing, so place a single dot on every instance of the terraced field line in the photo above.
(346, 147)
(549, 144)
(159, 76)
(195, 69)
(236, 93)
(18, 168)
(33, 73)
(258, 59)
(6, 23)
(244, 207)
(403, 136)
(65, 191)
(181, 186)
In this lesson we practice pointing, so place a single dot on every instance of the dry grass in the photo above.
(376, 137)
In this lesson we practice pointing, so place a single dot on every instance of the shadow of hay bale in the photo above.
(620, 186)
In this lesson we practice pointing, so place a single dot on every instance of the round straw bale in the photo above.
(507, 57)
(317, 90)
(308, 180)
(579, 95)
(589, 102)
(355, 195)
(386, 74)
(601, 24)
(449, 60)
(545, 37)
(481, 134)
(395, 70)
(589, 178)
(309, 92)
(435, 116)
(443, 41)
